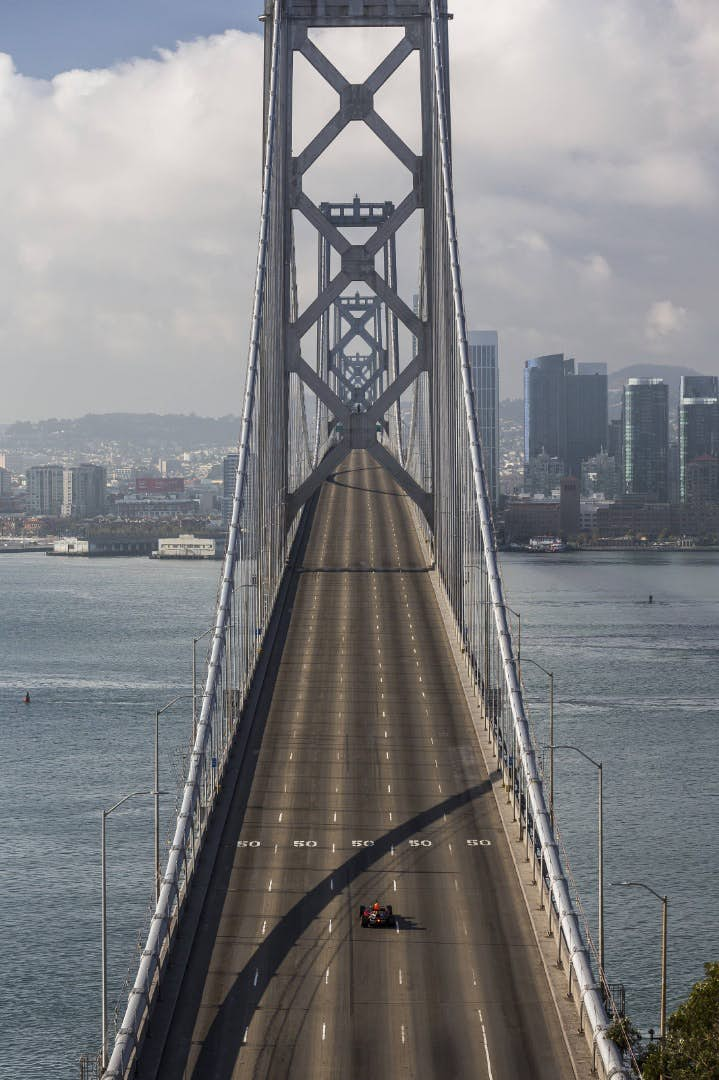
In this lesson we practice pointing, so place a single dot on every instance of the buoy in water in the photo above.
(27, 697)
(651, 598)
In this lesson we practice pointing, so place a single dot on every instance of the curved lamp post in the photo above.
(194, 678)
(664, 902)
(156, 792)
(103, 947)
(550, 676)
(600, 857)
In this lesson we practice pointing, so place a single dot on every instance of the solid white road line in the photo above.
(486, 1047)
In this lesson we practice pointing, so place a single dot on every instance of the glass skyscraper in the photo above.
(645, 429)
(565, 411)
(698, 423)
(484, 362)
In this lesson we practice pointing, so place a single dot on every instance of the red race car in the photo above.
(376, 915)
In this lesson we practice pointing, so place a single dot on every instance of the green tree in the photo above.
(691, 1046)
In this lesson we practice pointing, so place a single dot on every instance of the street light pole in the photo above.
(550, 676)
(194, 678)
(600, 843)
(665, 903)
(103, 908)
(156, 792)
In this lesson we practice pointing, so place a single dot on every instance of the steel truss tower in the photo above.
(365, 427)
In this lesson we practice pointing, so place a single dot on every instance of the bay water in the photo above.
(636, 687)
(101, 643)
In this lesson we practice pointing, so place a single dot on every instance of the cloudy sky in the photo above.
(586, 146)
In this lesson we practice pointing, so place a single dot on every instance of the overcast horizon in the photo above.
(585, 160)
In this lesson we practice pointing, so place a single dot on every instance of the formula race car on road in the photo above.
(376, 915)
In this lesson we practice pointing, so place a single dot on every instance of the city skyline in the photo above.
(132, 192)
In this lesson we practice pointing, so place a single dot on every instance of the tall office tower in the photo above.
(698, 423)
(484, 364)
(565, 412)
(5, 481)
(587, 415)
(44, 489)
(83, 494)
(645, 426)
(229, 473)
(545, 406)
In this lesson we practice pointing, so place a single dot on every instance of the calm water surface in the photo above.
(100, 643)
(636, 686)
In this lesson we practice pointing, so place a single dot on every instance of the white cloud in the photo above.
(595, 269)
(128, 232)
(663, 320)
(585, 154)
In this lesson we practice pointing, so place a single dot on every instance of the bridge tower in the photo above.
(356, 401)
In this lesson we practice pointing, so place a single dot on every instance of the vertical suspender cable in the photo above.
(127, 1040)
(611, 1058)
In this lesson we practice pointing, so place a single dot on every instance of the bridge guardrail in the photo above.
(466, 538)
(254, 561)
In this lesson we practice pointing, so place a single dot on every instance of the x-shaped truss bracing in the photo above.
(372, 384)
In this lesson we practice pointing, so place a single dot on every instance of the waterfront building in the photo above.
(484, 365)
(229, 475)
(565, 411)
(698, 424)
(526, 517)
(84, 491)
(185, 546)
(71, 545)
(569, 509)
(645, 436)
(45, 490)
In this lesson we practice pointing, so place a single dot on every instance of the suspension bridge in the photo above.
(362, 734)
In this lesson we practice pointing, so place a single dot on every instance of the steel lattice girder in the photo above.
(357, 261)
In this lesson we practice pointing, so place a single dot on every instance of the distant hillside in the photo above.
(671, 373)
(167, 433)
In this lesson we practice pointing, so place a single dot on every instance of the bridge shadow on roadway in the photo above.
(224, 1039)
(333, 478)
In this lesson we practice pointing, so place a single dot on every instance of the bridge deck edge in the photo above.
(575, 1041)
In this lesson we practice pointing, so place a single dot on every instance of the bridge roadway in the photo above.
(364, 782)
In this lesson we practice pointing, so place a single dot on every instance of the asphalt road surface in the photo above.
(364, 783)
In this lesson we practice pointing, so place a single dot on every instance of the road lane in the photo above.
(368, 785)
